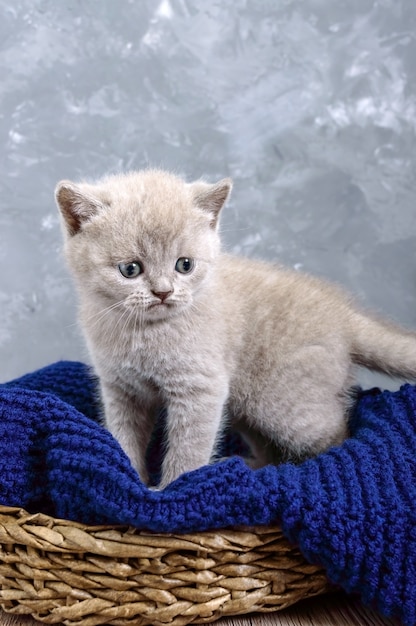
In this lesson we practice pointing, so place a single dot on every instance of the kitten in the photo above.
(171, 320)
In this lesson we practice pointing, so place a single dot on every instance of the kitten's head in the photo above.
(144, 241)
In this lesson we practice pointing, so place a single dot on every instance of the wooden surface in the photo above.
(329, 610)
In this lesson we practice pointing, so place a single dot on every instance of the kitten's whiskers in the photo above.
(100, 315)
(116, 337)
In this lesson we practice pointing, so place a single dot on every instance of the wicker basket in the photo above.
(61, 571)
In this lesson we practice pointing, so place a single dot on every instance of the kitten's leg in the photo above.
(263, 450)
(272, 449)
(130, 419)
(193, 425)
(303, 407)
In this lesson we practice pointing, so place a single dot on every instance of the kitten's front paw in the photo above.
(143, 475)
(163, 484)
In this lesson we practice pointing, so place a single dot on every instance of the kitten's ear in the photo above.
(211, 198)
(76, 205)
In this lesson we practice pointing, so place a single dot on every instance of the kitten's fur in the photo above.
(271, 348)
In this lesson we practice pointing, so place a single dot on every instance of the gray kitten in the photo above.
(171, 320)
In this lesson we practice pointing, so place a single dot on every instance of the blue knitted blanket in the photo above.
(352, 509)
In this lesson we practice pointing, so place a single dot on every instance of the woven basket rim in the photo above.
(132, 534)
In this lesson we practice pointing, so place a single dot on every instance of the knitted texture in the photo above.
(351, 509)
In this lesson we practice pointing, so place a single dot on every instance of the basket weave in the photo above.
(61, 571)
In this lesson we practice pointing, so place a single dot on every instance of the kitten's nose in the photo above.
(162, 294)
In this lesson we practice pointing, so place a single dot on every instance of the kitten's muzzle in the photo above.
(162, 295)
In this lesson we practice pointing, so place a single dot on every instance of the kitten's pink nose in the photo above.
(162, 294)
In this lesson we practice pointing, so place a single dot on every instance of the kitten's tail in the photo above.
(383, 347)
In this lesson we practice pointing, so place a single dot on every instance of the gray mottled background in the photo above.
(310, 105)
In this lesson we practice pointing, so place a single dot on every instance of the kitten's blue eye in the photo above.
(184, 265)
(130, 270)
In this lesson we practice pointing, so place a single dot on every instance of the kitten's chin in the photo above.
(163, 311)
